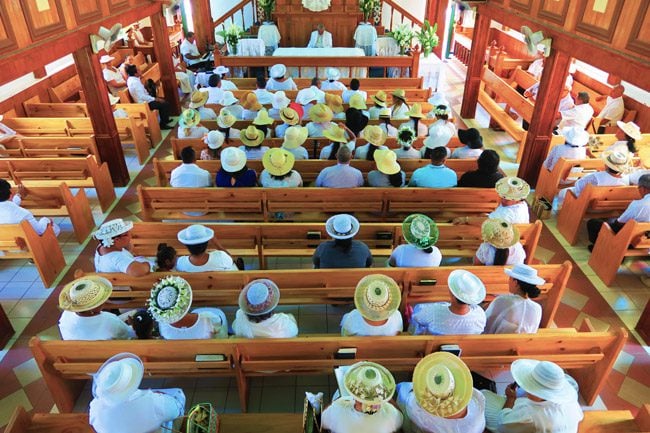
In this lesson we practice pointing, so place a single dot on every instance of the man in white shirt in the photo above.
(320, 38)
(191, 54)
(614, 110)
(12, 213)
(140, 96)
(188, 174)
(354, 88)
(537, 67)
(579, 115)
(112, 75)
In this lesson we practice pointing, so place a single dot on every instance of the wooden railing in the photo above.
(229, 17)
(402, 14)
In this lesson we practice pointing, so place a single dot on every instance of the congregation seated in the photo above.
(140, 96)
(500, 245)
(341, 175)
(231, 103)
(473, 144)
(439, 136)
(12, 213)
(278, 81)
(462, 315)
(343, 251)
(188, 174)
(421, 234)
(377, 299)
(189, 124)
(441, 397)
(486, 175)
(196, 238)
(263, 96)
(400, 107)
(294, 138)
(256, 318)
(575, 140)
(234, 172)
(627, 134)
(197, 102)
(113, 254)
(214, 140)
(375, 138)
(115, 80)
(368, 408)
(278, 170)
(290, 118)
(516, 312)
(253, 138)
(379, 99)
(548, 401)
(415, 115)
(333, 75)
(405, 138)
(83, 319)
(279, 103)
(354, 89)
(170, 303)
(118, 404)
(320, 116)
(614, 108)
(388, 128)
(436, 174)
(388, 172)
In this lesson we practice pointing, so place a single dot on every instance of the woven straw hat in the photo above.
(415, 111)
(225, 119)
(250, 102)
(499, 233)
(233, 159)
(111, 229)
(195, 234)
(85, 294)
(289, 116)
(377, 297)
(512, 188)
(215, 139)
(439, 136)
(251, 136)
(335, 102)
(295, 136)
(189, 118)
(543, 379)
(400, 94)
(280, 100)
(342, 226)
(259, 297)
(386, 161)
(170, 300)
(631, 129)
(278, 161)
(357, 101)
(442, 384)
(335, 133)
(320, 113)
(198, 99)
(118, 378)
(380, 98)
(373, 134)
(617, 161)
(420, 231)
(466, 287)
(369, 383)
(263, 118)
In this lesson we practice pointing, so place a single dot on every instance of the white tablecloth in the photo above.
(322, 52)
(250, 47)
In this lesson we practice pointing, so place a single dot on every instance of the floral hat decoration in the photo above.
(377, 297)
(420, 231)
(406, 135)
(369, 383)
(171, 299)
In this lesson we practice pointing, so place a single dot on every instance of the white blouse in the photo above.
(280, 325)
(211, 323)
(513, 314)
(342, 417)
(437, 319)
(217, 261)
(486, 253)
(104, 326)
(353, 323)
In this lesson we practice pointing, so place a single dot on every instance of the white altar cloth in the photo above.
(308, 72)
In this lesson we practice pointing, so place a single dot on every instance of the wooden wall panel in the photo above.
(7, 38)
(44, 17)
(554, 10)
(86, 10)
(601, 25)
(117, 5)
(639, 41)
(522, 5)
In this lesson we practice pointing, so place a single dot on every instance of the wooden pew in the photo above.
(550, 182)
(412, 95)
(20, 241)
(594, 202)
(66, 365)
(371, 83)
(75, 172)
(521, 78)
(53, 147)
(264, 240)
(633, 240)
(502, 62)
(313, 204)
(310, 168)
(68, 91)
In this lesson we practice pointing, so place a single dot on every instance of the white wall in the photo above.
(414, 7)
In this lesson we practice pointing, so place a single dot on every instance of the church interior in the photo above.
(98, 101)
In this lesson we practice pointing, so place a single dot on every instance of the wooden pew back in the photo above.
(66, 91)
(564, 174)
(371, 83)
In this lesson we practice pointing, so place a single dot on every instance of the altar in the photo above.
(310, 72)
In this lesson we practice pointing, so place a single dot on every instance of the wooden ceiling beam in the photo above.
(32, 57)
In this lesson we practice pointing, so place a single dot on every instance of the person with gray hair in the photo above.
(638, 210)
(341, 175)
(579, 115)
(320, 38)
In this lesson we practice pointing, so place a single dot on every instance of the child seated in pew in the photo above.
(500, 245)
(170, 302)
(256, 318)
(12, 213)
(196, 238)
(113, 254)
(214, 140)
(405, 138)
(165, 258)
(377, 299)
(143, 325)
(421, 234)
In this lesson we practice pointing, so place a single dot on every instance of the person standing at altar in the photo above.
(365, 37)
(278, 81)
(320, 38)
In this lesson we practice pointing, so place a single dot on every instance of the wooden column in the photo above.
(164, 55)
(475, 66)
(435, 14)
(101, 115)
(538, 139)
(202, 18)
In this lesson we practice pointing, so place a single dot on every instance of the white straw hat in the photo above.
(543, 379)
(215, 139)
(631, 129)
(112, 229)
(526, 274)
(439, 136)
(233, 159)
(342, 226)
(118, 378)
(280, 100)
(575, 136)
(278, 71)
(195, 234)
(106, 59)
(466, 287)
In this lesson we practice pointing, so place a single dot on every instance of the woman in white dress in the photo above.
(441, 398)
(113, 254)
(188, 125)
(376, 138)
(170, 303)
(255, 317)
(421, 233)
(367, 408)
(400, 107)
(196, 238)
(500, 245)
(516, 313)
(377, 298)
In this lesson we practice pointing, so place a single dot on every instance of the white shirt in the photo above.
(566, 103)
(341, 417)
(113, 75)
(137, 91)
(465, 152)
(144, 412)
(535, 69)
(564, 151)
(408, 256)
(418, 420)
(437, 319)
(579, 116)
(193, 132)
(275, 85)
(228, 85)
(353, 323)
(294, 179)
(190, 48)
(104, 326)
(638, 210)
(320, 41)
(361, 152)
(190, 176)
(399, 112)
(486, 253)
(514, 214)
(12, 213)
(347, 94)
(211, 323)
(390, 131)
(298, 152)
(513, 314)
(280, 325)
(599, 178)
(527, 416)
(254, 153)
(373, 112)
(215, 94)
(115, 261)
(316, 129)
(217, 261)
(332, 85)
(613, 110)
(410, 153)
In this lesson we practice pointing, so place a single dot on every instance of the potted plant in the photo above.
(231, 36)
(403, 35)
(267, 6)
(367, 8)
(428, 37)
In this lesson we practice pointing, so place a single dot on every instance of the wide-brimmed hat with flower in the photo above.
(512, 188)
(189, 118)
(499, 233)
(85, 294)
(543, 379)
(118, 378)
(439, 136)
(250, 102)
(289, 116)
(630, 129)
(373, 134)
(259, 297)
(198, 99)
(251, 136)
(379, 98)
(170, 300)
(278, 161)
(342, 226)
(357, 101)
(399, 94)
(406, 135)
(377, 297)
(617, 161)
(335, 133)
(278, 71)
(280, 100)
(369, 383)
(225, 119)
(112, 229)
(295, 136)
(466, 287)
(335, 102)
(263, 118)
(386, 161)
(233, 159)
(420, 231)
(195, 234)
(215, 139)
(442, 384)
(320, 113)
(415, 111)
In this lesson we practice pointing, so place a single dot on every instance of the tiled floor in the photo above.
(33, 310)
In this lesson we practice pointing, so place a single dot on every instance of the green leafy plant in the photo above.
(428, 37)
(403, 35)
(267, 6)
(367, 7)
(231, 36)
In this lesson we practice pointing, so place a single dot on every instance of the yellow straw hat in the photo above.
(373, 134)
(252, 137)
(198, 99)
(294, 137)
(278, 161)
(335, 133)
(357, 101)
(262, 118)
(289, 116)
(377, 297)
(617, 161)
(400, 94)
(499, 233)
(335, 102)
(85, 294)
(442, 384)
(380, 98)
(225, 119)
(320, 113)
(189, 118)
(250, 102)
(415, 111)
(386, 161)
(512, 188)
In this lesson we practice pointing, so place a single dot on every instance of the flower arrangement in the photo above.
(406, 136)
(595, 142)
(403, 35)
(231, 36)
(267, 6)
(428, 37)
(368, 7)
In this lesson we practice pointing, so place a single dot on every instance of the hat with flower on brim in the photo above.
(170, 300)
(406, 135)
(278, 161)
(442, 384)
(377, 297)
(259, 297)
(369, 383)
(420, 231)
(189, 118)
(294, 137)
(320, 113)
(512, 188)
(379, 98)
(499, 233)
(112, 229)
(251, 136)
(85, 294)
